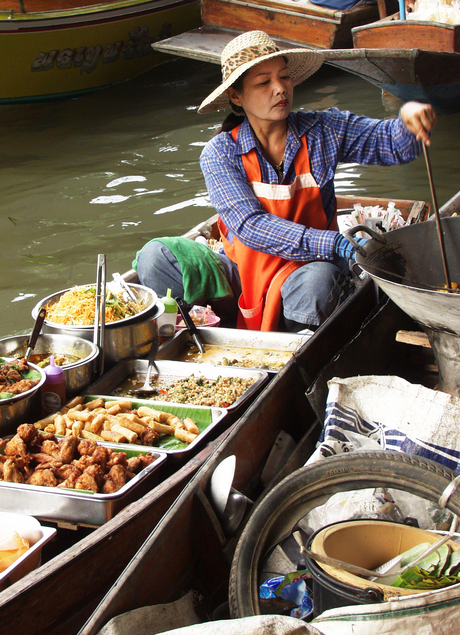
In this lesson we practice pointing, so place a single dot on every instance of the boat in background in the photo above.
(411, 60)
(66, 48)
(289, 22)
(408, 59)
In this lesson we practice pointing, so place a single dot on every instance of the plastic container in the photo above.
(53, 390)
(167, 321)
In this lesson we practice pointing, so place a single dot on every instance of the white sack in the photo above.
(430, 613)
(393, 413)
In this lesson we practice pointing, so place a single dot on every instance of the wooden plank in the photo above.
(416, 338)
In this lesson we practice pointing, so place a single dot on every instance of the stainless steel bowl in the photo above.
(78, 374)
(22, 408)
(146, 296)
(129, 338)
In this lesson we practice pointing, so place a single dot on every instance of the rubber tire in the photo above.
(277, 513)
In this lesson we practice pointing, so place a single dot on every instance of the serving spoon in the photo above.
(35, 333)
(146, 388)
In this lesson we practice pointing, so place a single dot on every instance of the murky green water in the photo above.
(107, 172)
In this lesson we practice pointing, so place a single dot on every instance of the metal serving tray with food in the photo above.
(183, 382)
(176, 429)
(72, 480)
(268, 351)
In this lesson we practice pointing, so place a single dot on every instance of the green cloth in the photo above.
(203, 274)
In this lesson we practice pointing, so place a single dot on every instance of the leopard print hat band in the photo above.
(249, 49)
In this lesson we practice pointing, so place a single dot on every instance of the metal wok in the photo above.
(407, 265)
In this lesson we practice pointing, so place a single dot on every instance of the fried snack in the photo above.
(191, 426)
(184, 435)
(96, 403)
(117, 422)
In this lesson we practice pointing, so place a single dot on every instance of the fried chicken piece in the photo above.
(52, 464)
(87, 446)
(51, 448)
(83, 462)
(134, 463)
(66, 471)
(11, 473)
(137, 463)
(13, 376)
(115, 479)
(28, 433)
(16, 447)
(48, 436)
(97, 473)
(86, 481)
(100, 456)
(43, 477)
(67, 448)
(149, 436)
(22, 386)
(41, 457)
(117, 458)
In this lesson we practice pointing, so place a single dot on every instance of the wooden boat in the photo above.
(289, 22)
(60, 595)
(294, 402)
(65, 48)
(409, 59)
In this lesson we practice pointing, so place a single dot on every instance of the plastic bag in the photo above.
(290, 587)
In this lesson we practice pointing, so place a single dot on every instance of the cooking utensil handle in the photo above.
(349, 235)
(99, 313)
(438, 219)
(151, 361)
(36, 332)
(190, 324)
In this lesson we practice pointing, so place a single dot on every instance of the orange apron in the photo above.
(262, 275)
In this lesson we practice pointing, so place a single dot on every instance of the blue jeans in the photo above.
(309, 295)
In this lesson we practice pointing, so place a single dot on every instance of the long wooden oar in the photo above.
(438, 220)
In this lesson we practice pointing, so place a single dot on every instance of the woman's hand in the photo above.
(419, 119)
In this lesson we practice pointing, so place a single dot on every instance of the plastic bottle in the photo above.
(53, 390)
(167, 321)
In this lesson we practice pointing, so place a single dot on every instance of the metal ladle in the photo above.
(35, 333)
(146, 388)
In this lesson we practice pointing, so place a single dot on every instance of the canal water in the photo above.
(107, 172)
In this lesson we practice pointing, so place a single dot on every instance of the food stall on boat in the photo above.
(57, 595)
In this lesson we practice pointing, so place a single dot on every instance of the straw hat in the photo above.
(249, 49)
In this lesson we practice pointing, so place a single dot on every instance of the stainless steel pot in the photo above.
(78, 374)
(22, 408)
(125, 339)
(407, 265)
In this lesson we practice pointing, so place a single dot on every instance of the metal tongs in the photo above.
(99, 313)
(190, 324)
(120, 280)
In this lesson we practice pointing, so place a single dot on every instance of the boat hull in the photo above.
(47, 56)
(407, 74)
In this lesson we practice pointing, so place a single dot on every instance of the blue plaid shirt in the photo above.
(333, 137)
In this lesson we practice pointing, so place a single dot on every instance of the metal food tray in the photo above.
(72, 507)
(206, 417)
(171, 370)
(239, 338)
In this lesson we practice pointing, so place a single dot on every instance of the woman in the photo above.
(269, 174)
